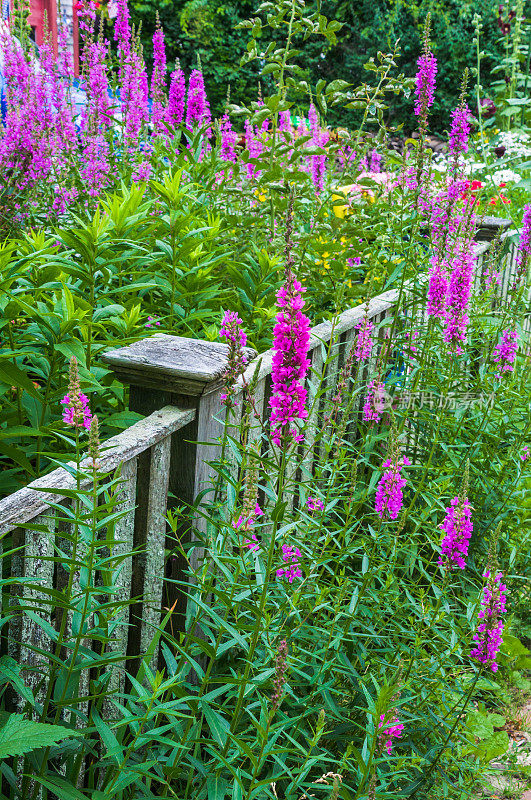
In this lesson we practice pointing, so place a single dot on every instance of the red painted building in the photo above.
(51, 13)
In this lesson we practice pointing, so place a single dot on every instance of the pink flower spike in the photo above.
(389, 495)
(389, 730)
(291, 341)
(252, 543)
(488, 636)
(505, 351)
(314, 503)
(290, 556)
(457, 527)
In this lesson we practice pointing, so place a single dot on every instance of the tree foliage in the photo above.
(206, 29)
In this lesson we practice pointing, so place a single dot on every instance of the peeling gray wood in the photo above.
(210, 424)
(28, 503)
(155, 544)
(173, 363)
(38, 572)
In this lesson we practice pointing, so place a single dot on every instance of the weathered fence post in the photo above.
(172, 370)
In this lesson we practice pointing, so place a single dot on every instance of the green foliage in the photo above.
(205, 28)
(19, 735)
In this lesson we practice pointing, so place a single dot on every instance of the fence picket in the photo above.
(38, 569)
(122, 568)
(155, 543)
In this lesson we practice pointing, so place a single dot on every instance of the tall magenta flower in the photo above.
(290, 557)
(460, 131)
(228, 139)
(290, 363)
(389, 729)
(96, 119)
(76, 412)
(134, 96)
(158, 84)
(284, 122)
(319, 139)
(457, 528)
(255, 146)
(231, 330)
(524, 250)
(122, 30)
(374, 401)
(505, 351)
(389, 492)
(459, 291)
(425, 83)
(490, 626)
(363, 345)
(197, 106)
(176, 97)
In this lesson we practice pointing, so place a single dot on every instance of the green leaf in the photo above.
(20, 735)
(60, 788)
(13, 376)
(217, 788)
(494, 747)
(217, 724)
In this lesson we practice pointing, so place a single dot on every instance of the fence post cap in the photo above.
(489, 227)
(171, 363)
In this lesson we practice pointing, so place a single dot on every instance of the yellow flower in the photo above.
(344, 210)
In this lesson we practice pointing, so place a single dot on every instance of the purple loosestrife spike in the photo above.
(135, 101)
(425, 80)
(505, 351)
(228, 139)
(280, 675)
(457, 528)
(460, 287)
(374, 402)
(255, 146)
(460, 131)
(122, 30)
(488, 636)
(284, 122)
(319, 139)
(290, 363)
(389, 495)
(363, 346)
(76, 411)
(96, 119)
(290, 556)
(314, 503)
(231, 330)
(197, 107)
(389, 729)
(158, 83)
(177, 98)
(524, 250)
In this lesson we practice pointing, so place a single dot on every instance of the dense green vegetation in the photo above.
(206, 29)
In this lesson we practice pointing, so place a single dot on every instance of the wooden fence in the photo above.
(176, 383)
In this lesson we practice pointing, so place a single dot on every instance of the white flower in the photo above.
(505, 176)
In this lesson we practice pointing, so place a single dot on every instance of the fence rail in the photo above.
(176, 382)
